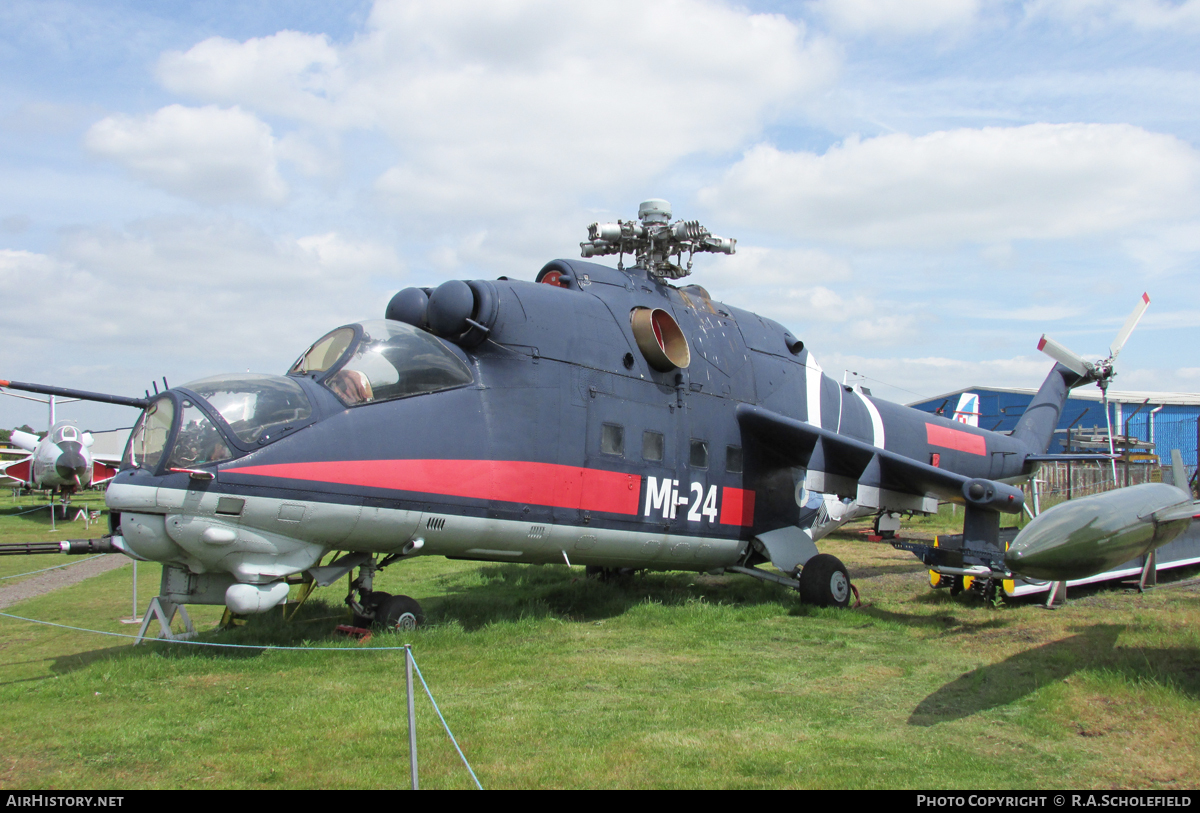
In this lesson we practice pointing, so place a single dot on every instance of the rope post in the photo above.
(412, 716)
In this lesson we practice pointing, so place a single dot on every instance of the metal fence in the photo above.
(1176, 432)
(1062, 480)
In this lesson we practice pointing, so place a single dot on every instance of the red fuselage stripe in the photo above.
(953, 439)
(502, 480)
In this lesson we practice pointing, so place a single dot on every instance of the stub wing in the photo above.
(873, 476)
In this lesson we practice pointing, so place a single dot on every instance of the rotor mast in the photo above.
(655, 241)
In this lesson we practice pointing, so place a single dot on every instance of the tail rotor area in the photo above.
(1101, 371)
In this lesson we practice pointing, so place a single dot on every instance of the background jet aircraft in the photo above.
(60, 461)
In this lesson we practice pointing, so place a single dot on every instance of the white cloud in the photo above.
(1142, 14)
(184, 298)
(210, 154)
(495, 107)
(1030, 313)
(761, 266)
(989, 185)
(1161, 379)
(897, 17)
(887, 330)
(287, 73)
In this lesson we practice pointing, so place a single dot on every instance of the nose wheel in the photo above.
(384, 610)
(399, 613)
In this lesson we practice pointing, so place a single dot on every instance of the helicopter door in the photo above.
(638, 439)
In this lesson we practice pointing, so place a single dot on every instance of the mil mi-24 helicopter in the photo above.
(598, 416)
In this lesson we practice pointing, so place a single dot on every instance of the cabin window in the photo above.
(699, 456)
(612, 439)
(652, 446)
(733, 459)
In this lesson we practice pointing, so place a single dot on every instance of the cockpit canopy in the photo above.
(381, 360)
(223, 417)
(255, 407)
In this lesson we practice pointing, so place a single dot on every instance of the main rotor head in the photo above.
(654, 240)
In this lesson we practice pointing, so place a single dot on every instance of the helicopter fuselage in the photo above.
(565, 442)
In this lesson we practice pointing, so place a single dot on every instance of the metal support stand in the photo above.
(1057, 596)
(135, 618)
(1149, 577)
(412, 715)
(164, 610)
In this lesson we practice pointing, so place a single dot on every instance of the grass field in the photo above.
(667, 680)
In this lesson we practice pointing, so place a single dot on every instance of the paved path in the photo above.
(63, 577)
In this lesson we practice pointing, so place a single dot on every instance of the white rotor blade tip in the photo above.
(1061, 354)
(1130, 324)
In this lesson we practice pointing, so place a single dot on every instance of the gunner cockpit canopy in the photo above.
(381, 360)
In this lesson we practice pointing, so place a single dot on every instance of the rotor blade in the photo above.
(1063, 356)
(1130, 324)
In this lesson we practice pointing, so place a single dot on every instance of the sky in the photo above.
(919, 188)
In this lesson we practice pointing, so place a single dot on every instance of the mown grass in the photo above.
(26, 518)
(660, 680)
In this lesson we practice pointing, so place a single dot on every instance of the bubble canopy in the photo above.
(223, 417)
(381, 360)
(253, 403)
(198, 421)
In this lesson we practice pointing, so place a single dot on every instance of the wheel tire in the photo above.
(825, 582)
(370, 602)
(399, 613)
(375, 598)
(881, 532)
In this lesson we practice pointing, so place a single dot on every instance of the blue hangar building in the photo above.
(1143, 422)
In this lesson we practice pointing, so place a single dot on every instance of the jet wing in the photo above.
(102, 473)
(16, 469)
(875, 477)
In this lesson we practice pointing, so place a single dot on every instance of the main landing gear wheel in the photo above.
(399, 613)
(825, 582)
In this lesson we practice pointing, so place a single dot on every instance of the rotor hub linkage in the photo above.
(654, 240)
